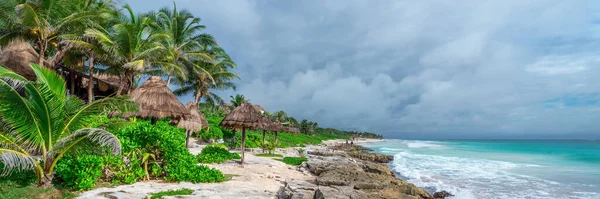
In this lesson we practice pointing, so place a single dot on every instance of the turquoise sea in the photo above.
(506, 169)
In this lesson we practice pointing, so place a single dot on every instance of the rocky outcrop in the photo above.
(352, 174)
(373, 157)
(442, 194)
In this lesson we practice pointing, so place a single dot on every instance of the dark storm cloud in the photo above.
(416, 68)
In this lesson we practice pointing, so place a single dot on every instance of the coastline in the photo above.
(331, 171)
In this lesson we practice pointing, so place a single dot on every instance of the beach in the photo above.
(262, 177)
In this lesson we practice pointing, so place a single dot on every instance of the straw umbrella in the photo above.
(156, 101)
(17, 56)
(192, 123)
(279, 128)
(243, 117)
(269, 126)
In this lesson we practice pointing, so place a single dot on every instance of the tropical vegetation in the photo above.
(215, 154)
(41, 123)
(49, 135)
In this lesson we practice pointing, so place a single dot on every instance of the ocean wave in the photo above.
(423, 144)
(477, 178)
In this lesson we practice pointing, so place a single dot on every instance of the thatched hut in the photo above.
(268, 126)
(156, 101)
(280, 128)
(243, 117)
(259, 108)
(17, 56)
(193, 123)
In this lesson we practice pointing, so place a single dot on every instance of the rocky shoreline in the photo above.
(349, 171)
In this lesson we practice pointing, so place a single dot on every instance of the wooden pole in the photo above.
(243, 144)
(187, 137)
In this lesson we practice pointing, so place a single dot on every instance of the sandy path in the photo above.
(260, 177)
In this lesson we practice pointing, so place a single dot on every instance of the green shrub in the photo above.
(182, 167)
(220, 145)
(167, 144)
(269, 146)
(294, 160)
(215, 154)
(122, 172)
(177, 192)
(79, 172)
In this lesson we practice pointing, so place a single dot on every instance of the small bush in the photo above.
(269, 146)
(183, 168)
(294, 160)
(215, 154)
(177, 192)
(117, 171)
(80, 172)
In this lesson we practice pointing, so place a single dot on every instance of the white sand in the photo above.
(259, 177)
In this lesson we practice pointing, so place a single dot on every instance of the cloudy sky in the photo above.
(416, 69)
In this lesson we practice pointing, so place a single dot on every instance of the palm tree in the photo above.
(43, 123)
(45, 23)
(91, 48)
(292, 122)
(132, 44)
(237, 100)
(185, 49)
(280, 116)
(212, 77)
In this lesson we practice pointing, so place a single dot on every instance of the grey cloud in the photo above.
(429, 69)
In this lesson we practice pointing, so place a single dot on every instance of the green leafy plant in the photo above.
(39, 116)
(167, 144)
(294, 160)
(215, 154)
(177, 192)
(80, 172)
(269, 146)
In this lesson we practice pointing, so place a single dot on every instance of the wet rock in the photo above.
(343, 177)
(373, 157)
(442, 194)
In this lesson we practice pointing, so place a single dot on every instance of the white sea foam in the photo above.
(423, 144)
(478, 178)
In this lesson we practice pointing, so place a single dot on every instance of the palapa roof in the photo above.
(17, 56)
(268, 124)
(193, 122)
(243, 116)
(156, 100)
(259, 108)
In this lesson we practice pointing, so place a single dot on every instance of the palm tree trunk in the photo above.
(198, 96)
(131, 83)
(243, 144)
(72, 87)
(276, 137)
(42, 47)
(187, 137)
(90, 87)
(122, 83)
(168, 79)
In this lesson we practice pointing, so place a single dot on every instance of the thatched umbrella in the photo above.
(259, 108)
(192, 123)
(17, 56)
(279, 128)
(156, 100)
(243, 117)
(269, 126)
